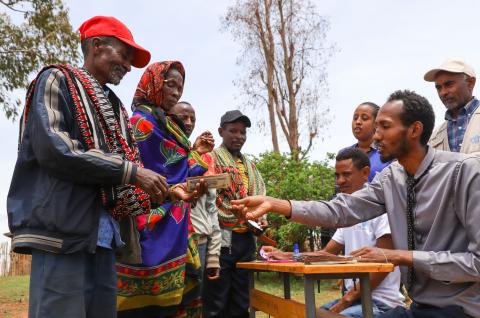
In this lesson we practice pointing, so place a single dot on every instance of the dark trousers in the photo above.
(228, 297)
(424, 311)
(78, 285)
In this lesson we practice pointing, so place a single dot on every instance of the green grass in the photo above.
(14, 289)
(14, 292)
(272, 283)
(13, 296)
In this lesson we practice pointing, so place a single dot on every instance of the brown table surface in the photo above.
(301, 268)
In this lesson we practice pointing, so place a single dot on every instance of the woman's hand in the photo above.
(180, 192)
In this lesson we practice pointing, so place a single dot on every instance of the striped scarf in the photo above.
(108, 134)
(225, 163)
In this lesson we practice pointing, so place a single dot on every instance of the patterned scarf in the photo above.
(115, 136)
(149, 97)
(225, 163)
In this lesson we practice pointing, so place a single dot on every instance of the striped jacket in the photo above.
(53, 203)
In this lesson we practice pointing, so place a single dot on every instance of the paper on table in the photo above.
(327, 259)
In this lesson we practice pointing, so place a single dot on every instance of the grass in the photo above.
(13, 296)
(272, 283)
(14, 292)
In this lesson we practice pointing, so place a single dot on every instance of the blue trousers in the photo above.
(77, 285)
(355, 310)
(422, 311)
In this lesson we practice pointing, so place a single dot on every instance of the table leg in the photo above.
(251, 285)
(286, 285)
(366, 293)
(309, 297)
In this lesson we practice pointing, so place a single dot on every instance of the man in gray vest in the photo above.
(460, 132)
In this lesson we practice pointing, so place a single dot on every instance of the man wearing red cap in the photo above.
(77, 172)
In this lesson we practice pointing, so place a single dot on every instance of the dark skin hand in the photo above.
(213, 273)
(378, 255)
(385, 244)
(152, 183)
(204, 143)
(180, 192)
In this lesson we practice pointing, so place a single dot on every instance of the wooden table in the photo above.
(286, 307)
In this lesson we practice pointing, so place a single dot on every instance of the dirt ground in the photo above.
(14, 310)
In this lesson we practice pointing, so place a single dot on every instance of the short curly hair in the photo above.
(359, 158)
(415, 108)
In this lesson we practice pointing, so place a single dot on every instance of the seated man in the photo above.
(352, 168)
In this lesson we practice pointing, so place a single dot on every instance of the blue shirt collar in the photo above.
(466, 110)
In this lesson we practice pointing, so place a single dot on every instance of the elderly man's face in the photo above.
(113, 59)
(454, 89)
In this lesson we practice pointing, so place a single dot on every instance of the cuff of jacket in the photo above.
(213, 261)
(129, 172)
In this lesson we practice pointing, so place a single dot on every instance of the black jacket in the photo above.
(54, 199)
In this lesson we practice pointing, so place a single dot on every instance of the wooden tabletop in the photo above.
(301, 268)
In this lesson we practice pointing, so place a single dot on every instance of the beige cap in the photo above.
(452, 66)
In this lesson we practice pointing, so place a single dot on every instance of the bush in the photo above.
(292, 179)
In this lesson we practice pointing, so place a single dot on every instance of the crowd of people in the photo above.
(100, 200)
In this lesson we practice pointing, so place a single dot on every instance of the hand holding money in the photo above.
(216, 181)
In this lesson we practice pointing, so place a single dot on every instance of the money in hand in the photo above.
(216, 181)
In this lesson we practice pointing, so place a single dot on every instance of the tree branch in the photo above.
(10, 5)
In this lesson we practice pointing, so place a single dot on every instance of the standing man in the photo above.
(228, 297)
(77, 171)
(352, 170)
(454, 81)
(204, 215)
(431, 199)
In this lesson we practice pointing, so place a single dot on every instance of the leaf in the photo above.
(45, 36)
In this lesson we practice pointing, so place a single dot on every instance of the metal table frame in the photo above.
(309, 288)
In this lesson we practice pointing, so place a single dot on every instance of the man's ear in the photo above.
(471, 83)
(416, 130)
(365, 172)
(96, 45)
(220, 131)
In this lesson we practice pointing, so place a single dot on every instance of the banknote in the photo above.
(216, 181)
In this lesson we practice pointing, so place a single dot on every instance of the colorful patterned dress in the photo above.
(167, 279)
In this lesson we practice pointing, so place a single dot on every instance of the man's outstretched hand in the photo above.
(251, 208)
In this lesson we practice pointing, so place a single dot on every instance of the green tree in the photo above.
(289, 178)
(44, 36)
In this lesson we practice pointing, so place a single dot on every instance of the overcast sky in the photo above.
(382, 46)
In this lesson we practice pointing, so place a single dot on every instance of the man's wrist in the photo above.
(282, 207)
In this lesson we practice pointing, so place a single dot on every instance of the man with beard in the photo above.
(454, 81)
(431, 199)
(352, 170)
(77, 172)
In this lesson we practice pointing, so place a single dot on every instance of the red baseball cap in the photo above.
(110, 26)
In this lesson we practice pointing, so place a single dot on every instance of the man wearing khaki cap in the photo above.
(78, 171)
(454, 81)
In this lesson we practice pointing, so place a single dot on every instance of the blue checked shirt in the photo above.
(456, 127)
